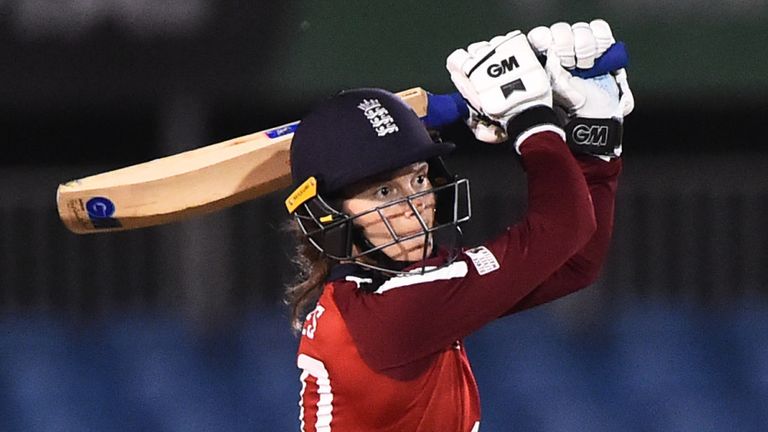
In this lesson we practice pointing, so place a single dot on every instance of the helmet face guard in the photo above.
(334, 232)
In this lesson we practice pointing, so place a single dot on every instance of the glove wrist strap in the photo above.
(601, 137)
(528, 120)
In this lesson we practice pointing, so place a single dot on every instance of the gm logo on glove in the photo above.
(598, 137)
(496, 70)
(594, 135)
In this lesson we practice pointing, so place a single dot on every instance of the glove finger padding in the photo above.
(585, 45)
(603, 35)
(562, 42)
(540, 39)
(479, 49)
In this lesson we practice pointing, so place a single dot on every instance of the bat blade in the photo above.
(191, 183)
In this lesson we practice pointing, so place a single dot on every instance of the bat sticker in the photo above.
(284, 130)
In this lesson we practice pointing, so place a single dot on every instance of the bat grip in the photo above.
(444, 109)
(613, 59)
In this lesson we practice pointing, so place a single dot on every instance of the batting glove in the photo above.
(500, 79)
(596, 106)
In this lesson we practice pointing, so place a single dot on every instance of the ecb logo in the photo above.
(497, 70)
(590, 135)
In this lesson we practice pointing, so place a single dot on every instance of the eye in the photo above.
(421, 180)
(383, 191)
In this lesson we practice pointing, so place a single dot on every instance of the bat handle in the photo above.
(613, 59)
(444, 109)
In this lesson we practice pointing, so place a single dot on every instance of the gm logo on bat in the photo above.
(100, 211)
(590, 135)
(100, 207)
(496, 70)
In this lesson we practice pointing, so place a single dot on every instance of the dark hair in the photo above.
(313, 268)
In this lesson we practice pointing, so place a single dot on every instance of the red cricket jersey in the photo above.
(393, 359)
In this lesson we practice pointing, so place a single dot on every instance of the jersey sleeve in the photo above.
(416, 316)
(583, 268)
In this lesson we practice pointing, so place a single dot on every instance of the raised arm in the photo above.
(596, 110)
(584, 267)
(411, 317)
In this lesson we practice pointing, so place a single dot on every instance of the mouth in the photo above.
(417, 246)
(410, 234)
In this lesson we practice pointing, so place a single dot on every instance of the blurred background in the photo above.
(181, 327)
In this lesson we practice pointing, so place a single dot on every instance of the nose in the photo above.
(419, 204)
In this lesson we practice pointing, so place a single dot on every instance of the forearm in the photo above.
(560, 219)
(602, 179)
(584, 267)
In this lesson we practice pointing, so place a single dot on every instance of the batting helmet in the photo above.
(353, 136)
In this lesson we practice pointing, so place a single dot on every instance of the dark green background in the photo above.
(678, 52)
(697, 68)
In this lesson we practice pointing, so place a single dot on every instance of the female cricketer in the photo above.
(387, 293)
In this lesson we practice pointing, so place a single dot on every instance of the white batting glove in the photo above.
(578, 45)
(596, 106)
(500, 79)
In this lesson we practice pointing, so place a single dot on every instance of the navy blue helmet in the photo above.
(357, 134)
(348, 138)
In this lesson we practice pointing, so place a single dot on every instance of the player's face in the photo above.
(401, 217)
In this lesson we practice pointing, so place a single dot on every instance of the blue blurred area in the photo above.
(648, 367)
(645, 367)
(148, 373)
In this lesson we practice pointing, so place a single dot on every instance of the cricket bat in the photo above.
(186, 184)
(227, 173)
